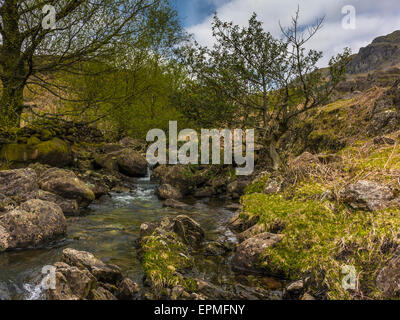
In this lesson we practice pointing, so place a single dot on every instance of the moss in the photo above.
(163, 258)
(17, 152)
(324, 140)
(258, 185)
(33, 140)
(54, 152)
(46, 134)
(305, 190)
(319, 240)
(383, 158)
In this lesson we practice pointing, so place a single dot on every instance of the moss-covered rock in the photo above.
(46, 134)
(33, 140)
(55, 152)
(165, 254)
(15, 152)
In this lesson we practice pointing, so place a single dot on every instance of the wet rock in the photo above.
(166, 191)
(246, 258)
(251, 232)
(72, 283)
(33, 223)
(179, 176)
(217, 248)
(294, 289)
(81, 276)
(367, 195)
(68, 206)
(147, 228)
(236, 188)
(132, 163)
(242, 292)
(388, 280)
(84, 260)
(205, 192)
(67, 185)
(178, 293)
(19, 182)
(241, 222)
(213, 292)
(121, 189)
(188, 229)
(219, 183)
(171, 203)
(271, 283)
(101, 294)
(128, 290)
(100, 184)
(233, 206)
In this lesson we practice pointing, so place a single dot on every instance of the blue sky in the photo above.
(373, 18)
(193, 12)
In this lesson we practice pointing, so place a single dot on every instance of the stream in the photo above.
(108, 229)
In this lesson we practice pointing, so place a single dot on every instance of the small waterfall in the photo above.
(147, 176)
(33, 292)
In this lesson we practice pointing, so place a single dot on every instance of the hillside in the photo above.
(383, 53)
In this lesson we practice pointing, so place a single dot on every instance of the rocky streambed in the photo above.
(110, 228)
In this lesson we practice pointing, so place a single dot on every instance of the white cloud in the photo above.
(373, 18)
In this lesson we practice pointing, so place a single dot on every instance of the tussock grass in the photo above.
(163, 258)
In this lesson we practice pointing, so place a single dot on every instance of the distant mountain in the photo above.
(383, 53)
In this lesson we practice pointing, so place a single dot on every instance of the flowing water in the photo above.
(109, 230)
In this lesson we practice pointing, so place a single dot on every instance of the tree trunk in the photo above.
(273, 154)
(13, 75)
(11, 104)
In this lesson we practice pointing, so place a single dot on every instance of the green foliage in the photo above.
(261, 81)
(131, 101)
(203, 105)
